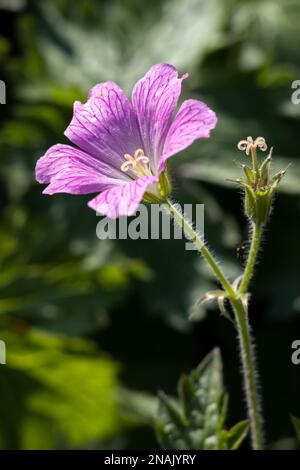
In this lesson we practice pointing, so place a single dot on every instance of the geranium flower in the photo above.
(122, 146)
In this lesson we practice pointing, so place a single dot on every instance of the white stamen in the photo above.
(137, 162)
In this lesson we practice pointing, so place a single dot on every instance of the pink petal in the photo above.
(194, 120)
(103, 89)
(123, 199)
(154, 98)
(69, 170)
(106, 125)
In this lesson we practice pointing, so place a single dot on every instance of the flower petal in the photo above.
(154, 98)
(106, 125)
(69, 170)
(194, 120)
(123, 199)
(103, 89)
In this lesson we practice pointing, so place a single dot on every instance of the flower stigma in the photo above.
(249, 145)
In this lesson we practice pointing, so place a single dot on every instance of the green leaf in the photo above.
(296, 424)
(236, 435)
(194, 422)
(170, 426)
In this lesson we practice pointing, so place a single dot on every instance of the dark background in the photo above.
(95, 328)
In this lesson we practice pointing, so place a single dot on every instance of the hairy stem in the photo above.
(255, 242)
(239, 304)
(249, 373)
(187, 227)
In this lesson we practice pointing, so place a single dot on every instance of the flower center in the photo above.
(139, 163)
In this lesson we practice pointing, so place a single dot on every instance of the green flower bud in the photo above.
(258, 186)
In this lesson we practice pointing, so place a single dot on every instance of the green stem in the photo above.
(249, 374)
(190, 232)
(255, 242)
(241, 317)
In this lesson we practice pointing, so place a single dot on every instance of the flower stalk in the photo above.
(187, 227)
(254, 248)
(238, 300)
(250, 374)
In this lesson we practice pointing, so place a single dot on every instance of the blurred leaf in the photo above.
(286, 443)
(139, 407)
(72, 391)
(71, 295)
(235, 436)
(273, 24)
(220, 169)
(13, 5)
(296, 424)
(73, 52)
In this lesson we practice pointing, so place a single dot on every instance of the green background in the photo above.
(95, 328)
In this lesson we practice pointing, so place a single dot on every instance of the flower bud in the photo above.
(258, 186)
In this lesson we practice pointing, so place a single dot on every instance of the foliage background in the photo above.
(94, 329)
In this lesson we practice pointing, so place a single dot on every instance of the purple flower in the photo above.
(122, 146)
